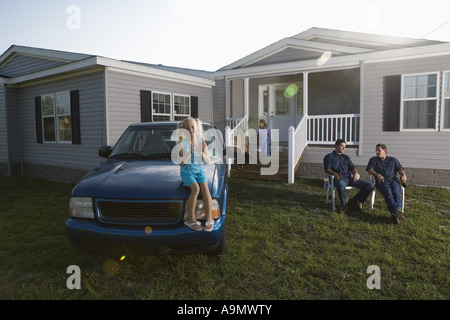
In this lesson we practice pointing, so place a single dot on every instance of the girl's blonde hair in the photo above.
(198, 125)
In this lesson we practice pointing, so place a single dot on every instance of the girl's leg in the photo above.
(207, 204)
(195, 189)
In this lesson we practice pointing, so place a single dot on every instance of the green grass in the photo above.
(283, 243)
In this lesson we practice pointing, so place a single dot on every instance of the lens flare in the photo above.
(290, 91)
(324, 58)
(123, 257)
(91, 288)
(111, 267)
(148, 230)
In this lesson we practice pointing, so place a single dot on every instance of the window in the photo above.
(282, 103)
(419, 101)
(161, 107)
(170, 107)
(445, 122)
(48, 117)
(181, 107)
(56, 117)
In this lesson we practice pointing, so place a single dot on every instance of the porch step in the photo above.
(253, 171)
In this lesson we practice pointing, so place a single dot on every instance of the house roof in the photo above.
(20, 64)
(313, 49)
(311, 44)
(192, 72)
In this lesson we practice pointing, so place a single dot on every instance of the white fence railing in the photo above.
(327, 129)
(233, 124)
(297, 143)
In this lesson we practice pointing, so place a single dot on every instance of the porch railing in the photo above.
(233, 124)
(326, 129)
(238, 123)
(297, 143)
(319, 130)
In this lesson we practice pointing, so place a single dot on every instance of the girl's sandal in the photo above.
(196, 226)
(209, 226)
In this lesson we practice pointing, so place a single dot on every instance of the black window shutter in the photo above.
(146, 106)
(38, 119)
(391, 103)
(75, 116)
(194, 107)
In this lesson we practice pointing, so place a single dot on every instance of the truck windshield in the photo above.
(152, 142)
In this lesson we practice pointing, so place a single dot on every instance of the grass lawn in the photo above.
(283, 243)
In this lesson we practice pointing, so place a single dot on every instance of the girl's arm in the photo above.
(205, 153)
(183, 157)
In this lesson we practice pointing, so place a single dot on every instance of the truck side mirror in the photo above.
(104, 151)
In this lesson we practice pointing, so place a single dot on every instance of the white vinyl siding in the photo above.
(3, 137)
(432, 145)
(92, 122)
(123, 106)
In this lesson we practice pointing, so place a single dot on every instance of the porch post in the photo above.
(305, 94)
(361, 106)
(291, 155)
(225, 94)
(228, 143)
(246, 101)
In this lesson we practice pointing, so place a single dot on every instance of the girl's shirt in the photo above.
(195, 162)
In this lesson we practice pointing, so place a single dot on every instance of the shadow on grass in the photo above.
(369, 217)
(304, 194)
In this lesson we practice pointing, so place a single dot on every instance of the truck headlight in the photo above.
(199, 210)
(81, 207)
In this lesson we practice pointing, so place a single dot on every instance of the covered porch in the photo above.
(307, 108)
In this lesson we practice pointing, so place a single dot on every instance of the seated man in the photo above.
(384, 169)
(340, 166)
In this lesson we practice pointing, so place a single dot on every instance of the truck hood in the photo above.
(137, 179)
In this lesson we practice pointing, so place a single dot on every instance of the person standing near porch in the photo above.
(264, 137)
(341, 167)
(384, 169)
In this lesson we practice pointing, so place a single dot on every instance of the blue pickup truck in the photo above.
(134, 202)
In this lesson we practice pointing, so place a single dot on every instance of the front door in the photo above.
(281, 106)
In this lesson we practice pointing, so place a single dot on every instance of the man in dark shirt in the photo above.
(384, 169)
(341, 167)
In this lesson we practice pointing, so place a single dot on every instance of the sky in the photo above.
(204, 34)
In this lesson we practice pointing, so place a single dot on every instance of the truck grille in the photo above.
(148, 212)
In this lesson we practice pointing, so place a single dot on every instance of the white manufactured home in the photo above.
(57, 108)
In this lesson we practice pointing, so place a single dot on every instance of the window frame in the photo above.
(172, 113)
(188, 106)
(55, 116)
(50, 116)
(154, 113)
(435, 98)
(62, 115)
(444, 98)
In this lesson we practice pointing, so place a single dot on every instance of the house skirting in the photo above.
(53, 173)
(3, 169)
(416, 176)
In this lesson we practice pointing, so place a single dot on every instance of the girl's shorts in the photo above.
(190, 176)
